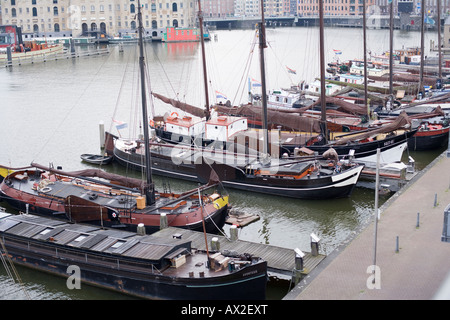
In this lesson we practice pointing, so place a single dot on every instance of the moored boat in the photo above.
(101, 198)
(96, 158)
(135, 264)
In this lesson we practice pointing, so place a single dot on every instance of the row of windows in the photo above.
(102, 7)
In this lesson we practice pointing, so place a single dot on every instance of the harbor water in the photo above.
(50, 114)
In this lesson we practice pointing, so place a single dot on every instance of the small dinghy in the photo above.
(96, 158)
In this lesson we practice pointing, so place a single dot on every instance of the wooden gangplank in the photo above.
(279, 260)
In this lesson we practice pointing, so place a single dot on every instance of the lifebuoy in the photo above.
(152, 123)
(174, 114)
(45, 189)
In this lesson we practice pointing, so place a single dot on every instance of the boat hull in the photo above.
(20, 196)
(129, 273)
(429, 140)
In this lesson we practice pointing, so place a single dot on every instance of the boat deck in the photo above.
(279, 260)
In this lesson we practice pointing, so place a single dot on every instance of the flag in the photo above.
(255, 83)
(120, 125)
(291, 70)
(220, 95)
(337, 51)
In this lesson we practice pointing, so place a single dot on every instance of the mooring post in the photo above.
(299, 267)
(101, 127)
(141, 229)
(163, 221)
(435, 199)
(397, 248)
(215, 244)
(418, 220)
(234, 232)
(314, 244)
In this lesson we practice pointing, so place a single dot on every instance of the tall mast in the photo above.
(391, 48)
(422, 46)
(439, 38)
(262, 46)
(323, 102)
(205, 77)
(365, 60)
(149, 192)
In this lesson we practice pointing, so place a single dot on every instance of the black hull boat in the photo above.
(301, 179)
(139, 265)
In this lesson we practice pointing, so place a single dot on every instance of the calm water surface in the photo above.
(50, 113)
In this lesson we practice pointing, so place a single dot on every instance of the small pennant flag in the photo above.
(291, 70)
(220, 95)
(255, 83)
(120, 125)
(337, 51)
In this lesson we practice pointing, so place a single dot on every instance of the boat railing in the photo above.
(77, 256)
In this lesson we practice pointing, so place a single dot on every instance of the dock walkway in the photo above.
(279, 260)
(420, 267)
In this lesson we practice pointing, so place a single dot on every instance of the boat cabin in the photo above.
(186, 125)
(282, 99)
(222, 127)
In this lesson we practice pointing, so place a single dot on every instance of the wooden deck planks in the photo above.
(279, 260)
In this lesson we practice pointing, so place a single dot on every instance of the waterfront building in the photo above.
(65, 18)
(333, 7)
(218, 8)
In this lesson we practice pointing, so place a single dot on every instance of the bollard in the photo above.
(163, 221)
(215, 244)
(314, 245)
(233, 232)
(435, 199)
(418, 220)
(141, 229)
(101, 127)
(397, 249)
(298, 269)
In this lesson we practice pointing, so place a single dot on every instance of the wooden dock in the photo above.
(279, 260)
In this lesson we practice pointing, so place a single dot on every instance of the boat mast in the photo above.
(323, 102)
(205, 77)
(391, 48)
(149, 189)
(422, 46)
(365, 60)
(262, 46)
(439, 38)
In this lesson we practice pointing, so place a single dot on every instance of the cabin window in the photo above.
(80, 238)
(45, 231)
(117, 244)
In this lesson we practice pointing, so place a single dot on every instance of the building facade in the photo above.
(333, 7)
(58, 18)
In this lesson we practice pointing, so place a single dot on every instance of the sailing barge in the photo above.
(101, 198)
(136, 264)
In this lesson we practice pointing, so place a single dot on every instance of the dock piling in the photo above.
(163, 224)
(141, 229)
(299, 268)
(234, 233)
(215, 244)
(314, 244)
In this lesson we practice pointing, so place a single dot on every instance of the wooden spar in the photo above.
(439, 38)
(202, 41)
(262, 46)
(204, 228)
(422, 47)
(149, 192)
(365, 59)
(322, 76)
(391, 48)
